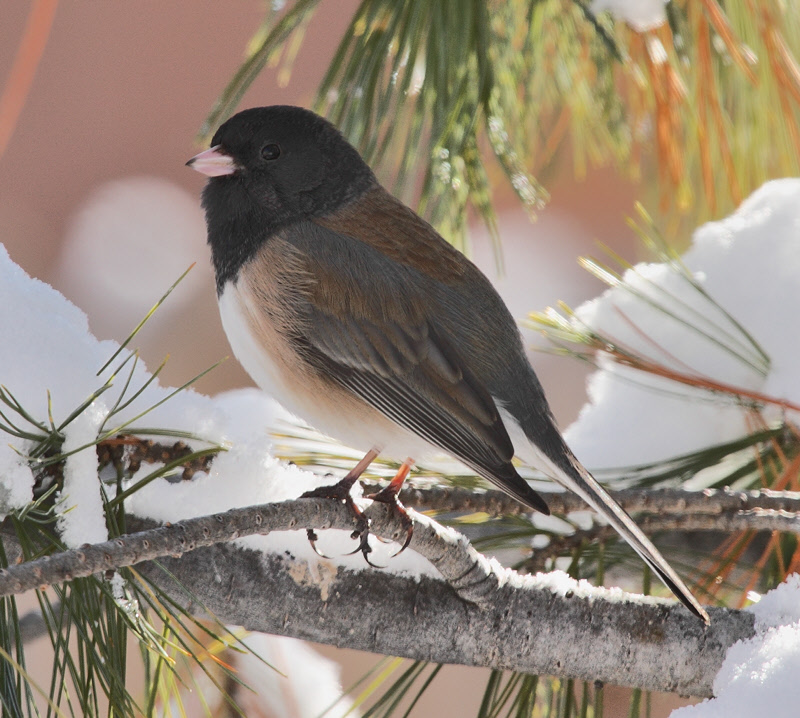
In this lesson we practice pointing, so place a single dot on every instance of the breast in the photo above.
(260, 313)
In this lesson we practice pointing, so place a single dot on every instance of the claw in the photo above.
(363, 543)
(374, 565)
(365, 548)
(312, 539)
(409, 534)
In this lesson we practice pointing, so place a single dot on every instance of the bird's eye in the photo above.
(270, 152)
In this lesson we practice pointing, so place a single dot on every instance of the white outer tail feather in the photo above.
(589, 489)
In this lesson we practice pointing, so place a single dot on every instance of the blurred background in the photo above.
(96, 201)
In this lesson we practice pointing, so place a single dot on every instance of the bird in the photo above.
(356, 315)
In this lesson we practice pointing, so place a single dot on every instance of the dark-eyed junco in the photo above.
(357, 316)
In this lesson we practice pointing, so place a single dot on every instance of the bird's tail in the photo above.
(576, 478)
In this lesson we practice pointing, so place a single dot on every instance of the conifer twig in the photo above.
(712, 502)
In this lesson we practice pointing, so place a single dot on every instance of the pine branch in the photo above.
(435, 92)
(760, 520)
(520, 624)
(450, 552)
(484, 615)
(756, 508)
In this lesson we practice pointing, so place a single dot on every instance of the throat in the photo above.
(237, 229)
(231, 249)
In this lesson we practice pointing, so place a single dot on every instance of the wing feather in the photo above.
(365, 328)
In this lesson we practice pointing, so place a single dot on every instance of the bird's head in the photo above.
(290, 162)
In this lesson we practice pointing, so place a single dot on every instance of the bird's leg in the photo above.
(341, 492)
(389, 496)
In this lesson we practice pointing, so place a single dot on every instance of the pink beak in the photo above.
(213, 163)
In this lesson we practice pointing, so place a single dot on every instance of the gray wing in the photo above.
(364, 330)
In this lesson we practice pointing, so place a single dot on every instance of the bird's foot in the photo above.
(385, 496)
(341, 492)
(389, 496)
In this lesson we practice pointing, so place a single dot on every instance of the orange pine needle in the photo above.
(695, 381)
(792, 70)
(719, 20)
(772, 545)
(704, 71)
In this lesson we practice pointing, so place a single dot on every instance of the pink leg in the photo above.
(389, 496)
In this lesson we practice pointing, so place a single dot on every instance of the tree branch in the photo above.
(719, 510)
(520, 624)
(657, 501)
(751, 520)
(484, 615)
